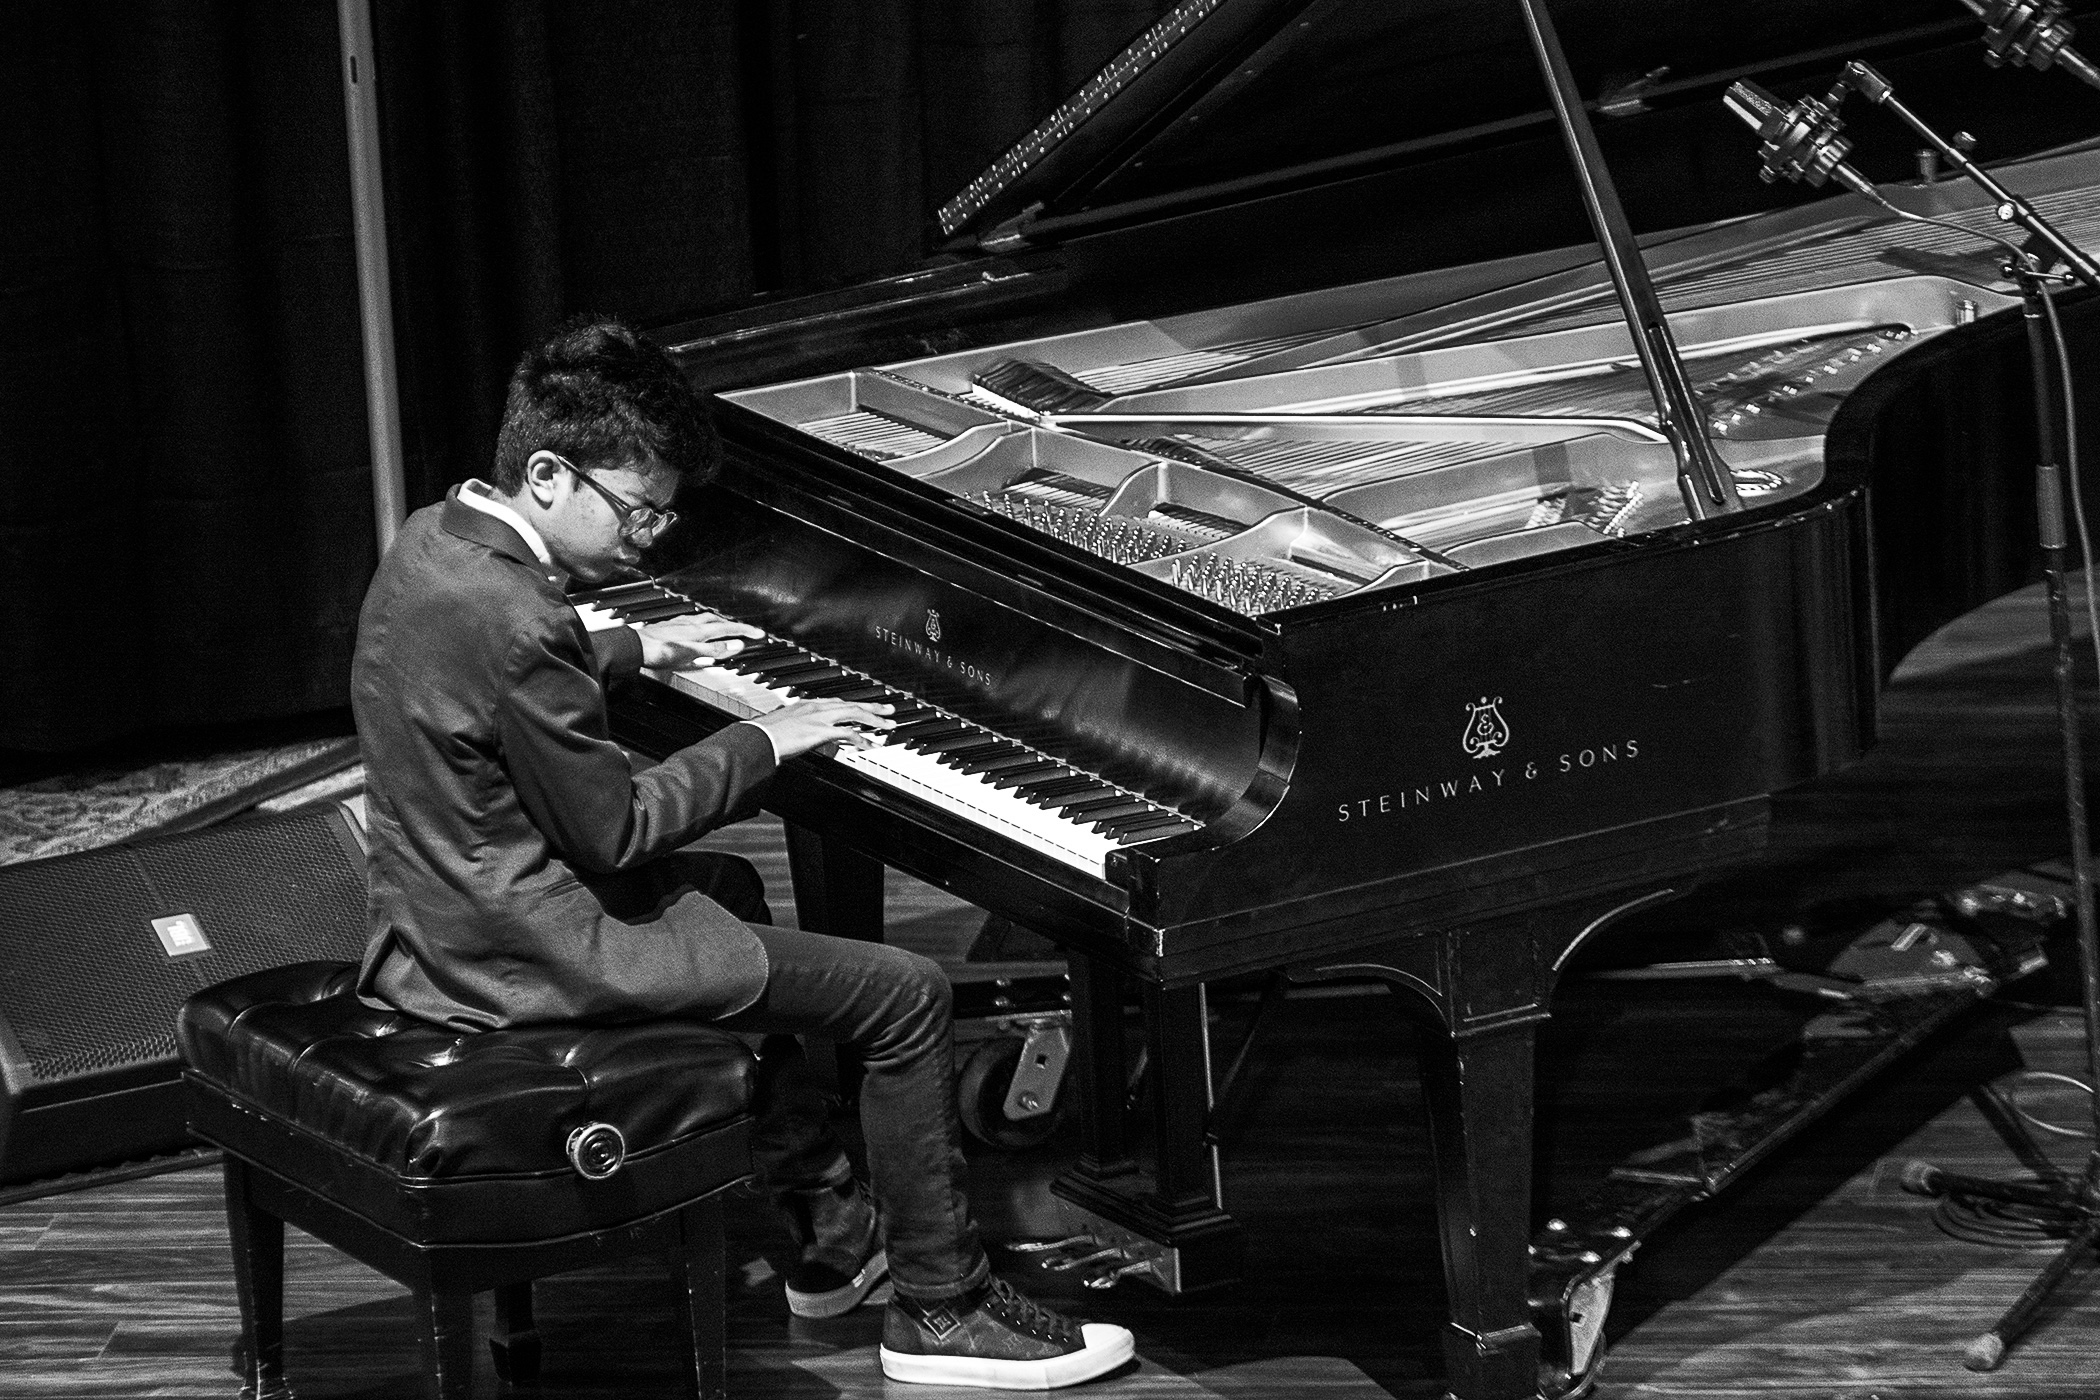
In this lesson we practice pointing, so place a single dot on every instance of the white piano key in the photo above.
(596, 619)
(966, 795)
(924, 776)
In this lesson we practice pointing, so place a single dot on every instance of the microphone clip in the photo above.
(2023, 33)
(1798, 141)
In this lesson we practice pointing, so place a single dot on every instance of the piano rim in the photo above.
(958, 529)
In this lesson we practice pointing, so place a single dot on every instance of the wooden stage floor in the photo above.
(1817, 1278)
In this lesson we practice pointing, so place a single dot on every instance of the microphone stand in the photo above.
(2073, 1197)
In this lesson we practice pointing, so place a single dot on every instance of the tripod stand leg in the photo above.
(1988, 1350)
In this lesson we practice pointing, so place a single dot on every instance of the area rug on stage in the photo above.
(98, 807)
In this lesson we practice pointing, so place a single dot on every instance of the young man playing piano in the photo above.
(521, 872)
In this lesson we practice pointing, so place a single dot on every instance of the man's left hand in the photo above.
(679, 642)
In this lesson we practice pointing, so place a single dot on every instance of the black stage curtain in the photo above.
(183, 449)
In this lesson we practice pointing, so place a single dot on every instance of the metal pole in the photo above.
(1708, 486)
(375, 302)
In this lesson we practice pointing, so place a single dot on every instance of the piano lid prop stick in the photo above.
(1702, 476)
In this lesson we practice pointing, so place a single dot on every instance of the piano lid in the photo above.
(1219, 94)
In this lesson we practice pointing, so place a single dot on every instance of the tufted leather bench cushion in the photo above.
(450, 1137)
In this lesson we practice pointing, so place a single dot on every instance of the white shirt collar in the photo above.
(479, 495)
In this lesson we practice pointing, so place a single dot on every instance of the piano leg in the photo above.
(838, 890)
(1480, 992)
(1100, 1069)
(1177, 1041)
(1168, 1224)
(1478, 1087)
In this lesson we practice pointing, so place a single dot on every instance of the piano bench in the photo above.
(458, 1163)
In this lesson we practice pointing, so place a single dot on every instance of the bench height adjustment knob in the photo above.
(596, 1150)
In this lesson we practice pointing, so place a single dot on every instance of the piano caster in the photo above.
(1007, 1090)
(1571, 1325)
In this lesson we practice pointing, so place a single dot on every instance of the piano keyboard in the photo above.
(992, 781)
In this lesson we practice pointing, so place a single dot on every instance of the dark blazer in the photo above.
(510, 874)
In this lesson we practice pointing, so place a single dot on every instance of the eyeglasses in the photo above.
(638, 524)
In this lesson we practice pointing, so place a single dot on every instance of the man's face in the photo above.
(583, 529)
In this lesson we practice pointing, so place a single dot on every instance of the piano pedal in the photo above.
(1104, 1253)
(1103, 1262)
(1118, 1274)
(1071, 1246)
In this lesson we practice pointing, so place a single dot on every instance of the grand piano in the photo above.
(1277, 603)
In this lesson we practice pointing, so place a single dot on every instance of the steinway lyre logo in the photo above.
(933, 624)
(1487, 733)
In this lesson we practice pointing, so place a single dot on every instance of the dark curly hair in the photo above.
(604, 397)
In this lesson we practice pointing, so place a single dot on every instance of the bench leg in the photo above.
(446, 1321)
(697, 1272)
(258, 1280)
(515, 1344)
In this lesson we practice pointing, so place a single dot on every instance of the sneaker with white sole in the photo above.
(996, 1338)
(842, 1264)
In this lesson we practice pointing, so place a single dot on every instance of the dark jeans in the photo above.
(891, 1008)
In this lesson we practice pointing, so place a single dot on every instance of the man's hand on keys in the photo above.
(680, 642)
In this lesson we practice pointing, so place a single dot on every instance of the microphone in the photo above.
(2031, 33)
(1799, 142)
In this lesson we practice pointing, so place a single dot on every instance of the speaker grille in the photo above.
(86, 985)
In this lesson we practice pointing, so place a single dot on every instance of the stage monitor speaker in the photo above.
(98, 950)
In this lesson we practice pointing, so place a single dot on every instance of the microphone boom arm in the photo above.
(2012, 209)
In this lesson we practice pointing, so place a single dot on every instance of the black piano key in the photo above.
(909, 711)
(989, 747)
(1153, 831)
(1060, 786)
(1010, 756)
(758, 653)
(625, 593)
(805, 674)
(655, 612)
(1052, 785)
(1067, 802)
(1150, 816)
(1096, 809)
(1042, 770)
(969, 737)
(831, 687)
(796, 692)
(773, 666)
(1100, 818)
(933, 726)
(780, 653)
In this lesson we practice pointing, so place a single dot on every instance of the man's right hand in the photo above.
(811, 724)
